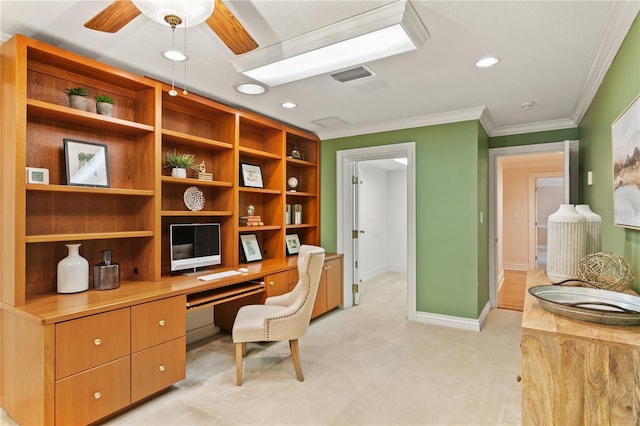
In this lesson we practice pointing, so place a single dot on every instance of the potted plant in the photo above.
(104, 105)
(179, 162)
(77, 97)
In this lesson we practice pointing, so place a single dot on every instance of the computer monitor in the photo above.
(194, 245)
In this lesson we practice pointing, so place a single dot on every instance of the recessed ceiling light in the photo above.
(289, 105)
(250, 88)
(527, 104)
(487, 62)
(174, 55)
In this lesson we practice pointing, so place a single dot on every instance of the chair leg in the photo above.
(295, 353)
(240, 351)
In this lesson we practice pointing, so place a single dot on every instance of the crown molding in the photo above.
(403, 123)
(540, 126)
(620, 19)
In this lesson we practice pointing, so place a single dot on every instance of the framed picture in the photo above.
(250, 250)
(293, 243)
(251, 175)
(86, 163)
(625, 141)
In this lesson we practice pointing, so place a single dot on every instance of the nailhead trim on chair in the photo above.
(306, 298)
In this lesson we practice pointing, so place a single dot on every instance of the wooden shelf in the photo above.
(90, 190)
(191, 140)
(88, 236)
(301, 194)
(260, 190)
(175, 213)
(301, 163)
(302, 226)
(223, 294)
(195, 182)
(255, 153)
(259, 228)
(85, 118)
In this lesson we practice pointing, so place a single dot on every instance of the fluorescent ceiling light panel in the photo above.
(383, 32)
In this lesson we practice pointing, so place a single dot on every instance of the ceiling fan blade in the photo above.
(230, 30)
(113, 17)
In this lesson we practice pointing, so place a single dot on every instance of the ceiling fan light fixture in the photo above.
(288, 105)
(383, 32)
(191, 12)
(174, 55)
(250, 88)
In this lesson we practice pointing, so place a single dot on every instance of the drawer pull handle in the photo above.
(97, 395)
(270, 282)
(161, 368)
(97, 342)
(161, 322)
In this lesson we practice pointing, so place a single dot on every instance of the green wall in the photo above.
(619, 88)
(452, 190)
(534, 138)
(451, 187)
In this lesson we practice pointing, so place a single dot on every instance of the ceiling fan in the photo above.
(221, 21)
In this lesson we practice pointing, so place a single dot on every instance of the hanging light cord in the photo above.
(185, 92)
(173, 92)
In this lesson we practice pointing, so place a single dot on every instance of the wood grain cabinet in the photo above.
(577, 373)
(277, 284)
(330, 287)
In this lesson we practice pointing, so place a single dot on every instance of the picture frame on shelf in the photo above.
(86, 163)
(625, 143)
(251, 176)
(249, 248)
(293, 243)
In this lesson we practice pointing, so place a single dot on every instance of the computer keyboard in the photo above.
(218, 275)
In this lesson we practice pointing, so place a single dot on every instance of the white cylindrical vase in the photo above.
(594, 228)
(73, 271)
(566, 243)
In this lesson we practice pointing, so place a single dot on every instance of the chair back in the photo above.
(293, 321)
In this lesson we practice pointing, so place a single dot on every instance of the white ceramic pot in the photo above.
(594, 228)
(78, 102)
(104, 108)
(178, 172)
(73, 271)
(566, 243)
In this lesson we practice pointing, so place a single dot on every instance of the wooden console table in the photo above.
(575, 372)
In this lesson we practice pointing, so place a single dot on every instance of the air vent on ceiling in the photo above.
(353, 74)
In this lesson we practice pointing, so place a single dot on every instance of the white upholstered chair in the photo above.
(284, 317)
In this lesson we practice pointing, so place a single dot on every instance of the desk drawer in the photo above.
(90, 341)
(157, 322)
(158, 368)
(89, 396)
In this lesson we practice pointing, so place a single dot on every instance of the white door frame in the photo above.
(344, 159)
(494, 155)
(533, 218)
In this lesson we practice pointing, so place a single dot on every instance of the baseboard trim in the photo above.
(202, 333)
(455, 322)
(516, 266)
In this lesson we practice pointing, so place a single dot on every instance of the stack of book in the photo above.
(251, 221)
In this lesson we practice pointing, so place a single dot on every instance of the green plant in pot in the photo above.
(104, 105)
(179, 162)
(77, 97)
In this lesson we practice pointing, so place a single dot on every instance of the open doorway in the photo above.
(512, 197)
(346, 160)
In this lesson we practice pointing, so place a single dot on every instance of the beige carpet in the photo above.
(362, 366)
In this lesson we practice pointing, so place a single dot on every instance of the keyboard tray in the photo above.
(224, 294)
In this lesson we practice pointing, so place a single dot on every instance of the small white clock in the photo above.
(37, 175)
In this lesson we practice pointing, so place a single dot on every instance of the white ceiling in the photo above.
(554, 53)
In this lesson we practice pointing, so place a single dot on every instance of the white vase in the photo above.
(566, 243)
(178, 172)
(594, 228)
(73, 271)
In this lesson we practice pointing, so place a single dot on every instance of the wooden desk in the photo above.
(575, 372)
(78, 358)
